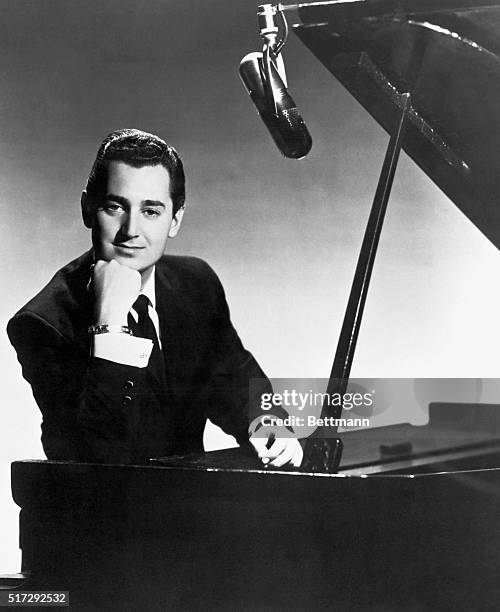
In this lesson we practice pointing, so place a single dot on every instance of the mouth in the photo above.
(131, 247)
(128, 248)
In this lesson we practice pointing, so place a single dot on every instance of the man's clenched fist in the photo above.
(116, 288)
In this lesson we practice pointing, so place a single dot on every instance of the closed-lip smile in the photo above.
(127, 246)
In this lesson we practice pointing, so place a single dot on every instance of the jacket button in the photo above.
(126, 400)
(128, 385)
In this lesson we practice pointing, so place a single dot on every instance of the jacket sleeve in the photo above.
(89, 405)
(236, 380)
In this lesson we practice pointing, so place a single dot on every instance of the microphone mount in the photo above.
(274, 41)
(268, 28)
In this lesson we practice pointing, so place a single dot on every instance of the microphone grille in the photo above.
(298, 139)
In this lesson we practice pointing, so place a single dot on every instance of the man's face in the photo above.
(133, 220)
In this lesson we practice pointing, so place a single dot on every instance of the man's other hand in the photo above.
(116, 288)
(283, 451)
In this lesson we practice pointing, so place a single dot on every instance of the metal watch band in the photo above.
(109, 329)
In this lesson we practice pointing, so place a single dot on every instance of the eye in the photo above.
(112, 207)
(151, 212)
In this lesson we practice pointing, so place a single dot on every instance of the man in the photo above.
(129, 351)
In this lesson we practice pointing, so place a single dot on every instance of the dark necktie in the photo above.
(144, 328)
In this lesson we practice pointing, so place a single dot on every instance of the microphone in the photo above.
(275, 105)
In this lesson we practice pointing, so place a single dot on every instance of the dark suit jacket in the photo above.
(98, 410)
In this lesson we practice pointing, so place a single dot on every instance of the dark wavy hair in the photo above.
(138, 149)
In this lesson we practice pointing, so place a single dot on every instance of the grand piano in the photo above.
(408, 517)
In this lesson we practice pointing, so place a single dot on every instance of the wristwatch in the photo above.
(109, 329)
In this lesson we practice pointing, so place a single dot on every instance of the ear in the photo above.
(86, 209)
(176, 223)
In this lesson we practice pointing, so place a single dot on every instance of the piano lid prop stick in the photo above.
(322, 454)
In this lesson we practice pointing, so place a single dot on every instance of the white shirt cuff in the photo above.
(122, 348)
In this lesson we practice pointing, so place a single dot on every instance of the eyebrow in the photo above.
(153, 203)
(121, 200)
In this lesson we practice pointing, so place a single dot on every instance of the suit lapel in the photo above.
(168, 315)
(176, 325)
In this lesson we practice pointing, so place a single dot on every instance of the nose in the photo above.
(130, 226)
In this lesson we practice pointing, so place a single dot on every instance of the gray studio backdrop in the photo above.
(282, 235)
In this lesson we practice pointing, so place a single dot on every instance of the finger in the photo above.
(277, 447)
(292, 453)
(267, 454)
(298, 456)
(259, 445)
(283, 458)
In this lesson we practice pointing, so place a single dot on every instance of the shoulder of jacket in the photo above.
(63, 293)
(183, 263)
(182, 269)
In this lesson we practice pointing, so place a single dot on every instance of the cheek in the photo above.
(105, 228)
(159, 237)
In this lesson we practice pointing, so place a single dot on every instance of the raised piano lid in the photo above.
(446, 53)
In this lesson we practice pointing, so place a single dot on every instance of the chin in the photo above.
(134, 265)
